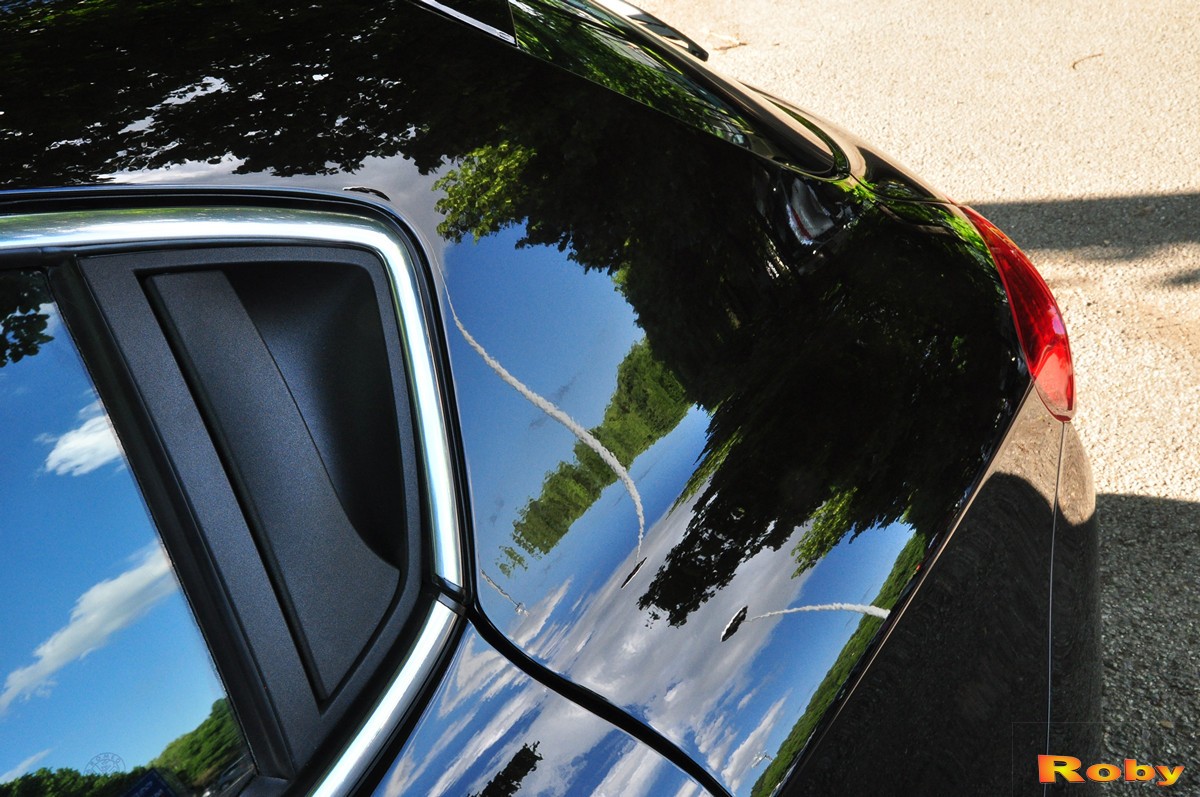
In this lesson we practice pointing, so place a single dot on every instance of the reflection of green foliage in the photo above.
(512, 558)
(70, 783)
(647, 404)
(305, 92)
(507, 781)
(905, 568)
(829, 523)
(846, 404)
(199, 755)
(482, 190)
(193, 760)
(22, 327)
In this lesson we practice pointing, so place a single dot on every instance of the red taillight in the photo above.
(1039, 323)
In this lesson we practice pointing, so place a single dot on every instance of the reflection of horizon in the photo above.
(604, 536)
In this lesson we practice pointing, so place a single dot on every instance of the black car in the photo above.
(485, 398)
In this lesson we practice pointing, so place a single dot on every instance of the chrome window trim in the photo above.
(358, 756)
(474, 23)
(241, 225)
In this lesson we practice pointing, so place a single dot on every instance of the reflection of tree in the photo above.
(855, 408)
(199, 755)
(850, 357)
(193, 761)
(68, 782)
(648, 403)
(310, 89)
(22, 326)
(507, 781)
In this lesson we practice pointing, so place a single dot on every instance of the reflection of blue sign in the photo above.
(151, 785)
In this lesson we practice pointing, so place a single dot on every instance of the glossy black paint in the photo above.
(493, 15)
(968, 654)
(490, 730)
(805, 362)
(1075, 666)
(607, 48)
(807, 452)
(613, 51)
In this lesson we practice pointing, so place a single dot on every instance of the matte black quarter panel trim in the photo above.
(334, 588)
(211, 566)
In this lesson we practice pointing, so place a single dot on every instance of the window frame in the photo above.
(52, 240)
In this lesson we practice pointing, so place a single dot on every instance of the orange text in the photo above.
(1050, 767)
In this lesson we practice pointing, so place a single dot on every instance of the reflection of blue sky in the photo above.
(561, 331)
(486, 710)
(607, 534)
(98, 653)
(555, 326)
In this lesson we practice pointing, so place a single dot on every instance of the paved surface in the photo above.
(1076, 128)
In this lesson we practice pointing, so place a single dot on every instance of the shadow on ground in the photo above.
(1109, 228)
(1150, 613)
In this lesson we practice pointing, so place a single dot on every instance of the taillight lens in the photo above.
(1040, 327)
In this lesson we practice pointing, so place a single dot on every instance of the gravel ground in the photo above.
(1075, 127)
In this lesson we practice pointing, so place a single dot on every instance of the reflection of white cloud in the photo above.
(408, 772)
(88, 446)
(689, 685)
(685, 682)
(528, 628)
(184, 170)
(742, 759)
(402, 776)
(482, 674)
(568, 735)
(461, 750)
(689, 789)
(208, 85)
(633, 775)
(100, 612)
(478, 745)
(23, 767)
(53, 319)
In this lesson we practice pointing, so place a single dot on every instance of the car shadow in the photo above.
(1107, 228)
(1150, 616)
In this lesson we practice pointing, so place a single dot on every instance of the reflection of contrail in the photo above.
(519, 607)
(740, 618)
(874, 611)
(544, 404)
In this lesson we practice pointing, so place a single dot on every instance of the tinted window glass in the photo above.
(106, 685)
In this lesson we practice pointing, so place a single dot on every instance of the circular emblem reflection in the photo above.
(105, 764)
